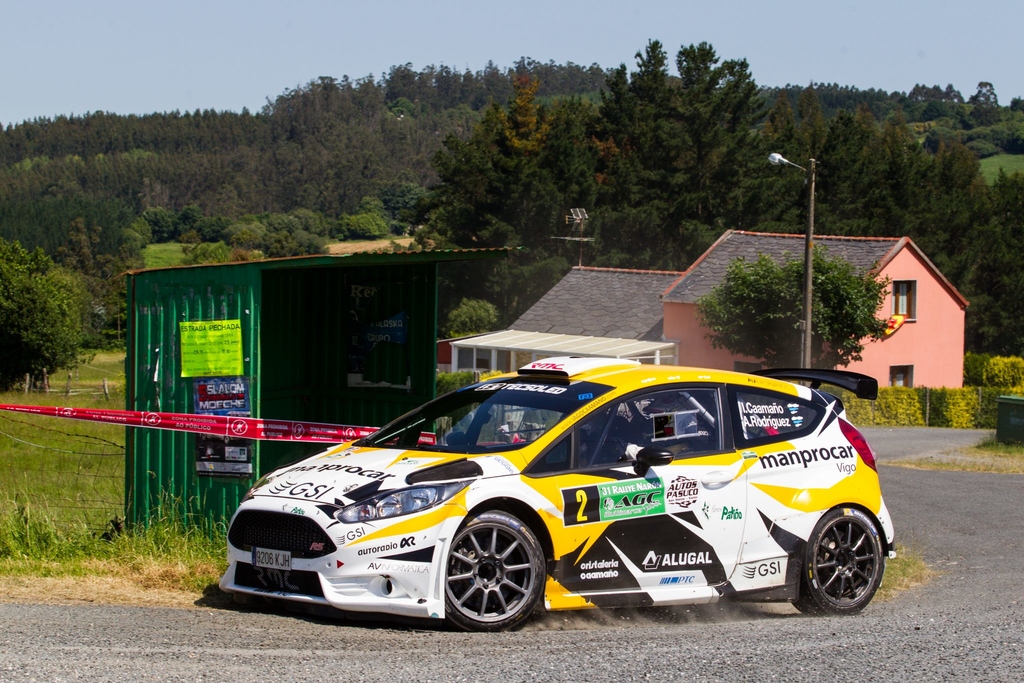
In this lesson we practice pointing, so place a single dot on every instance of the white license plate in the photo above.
(271, 559)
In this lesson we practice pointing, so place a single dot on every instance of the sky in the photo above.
(69, 57)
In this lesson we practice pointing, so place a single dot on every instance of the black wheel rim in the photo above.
(846, 562)
(490, 573)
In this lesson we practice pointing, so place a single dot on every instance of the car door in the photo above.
(666, 534)
(773, 427)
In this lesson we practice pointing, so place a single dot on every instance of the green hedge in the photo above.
(983, 370)
(450, 381)
(965, 408)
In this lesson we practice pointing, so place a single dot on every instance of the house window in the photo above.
(904, 298)
(901, 376)
(466, 359)
(481, 360)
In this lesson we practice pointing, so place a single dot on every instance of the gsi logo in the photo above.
(763, 569)
(352, 535)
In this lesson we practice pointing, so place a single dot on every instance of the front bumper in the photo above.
(395, 567)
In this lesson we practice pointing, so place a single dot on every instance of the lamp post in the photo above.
(805, 349)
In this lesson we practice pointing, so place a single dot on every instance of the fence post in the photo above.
(67, 387)
(927, 406)
(28, 382)
(106, 391)
(977, 413)
(46, 382)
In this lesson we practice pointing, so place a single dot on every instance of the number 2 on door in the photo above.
(581, 498)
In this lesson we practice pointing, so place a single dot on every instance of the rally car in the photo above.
(580, 483)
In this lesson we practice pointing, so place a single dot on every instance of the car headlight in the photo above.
(399, 502)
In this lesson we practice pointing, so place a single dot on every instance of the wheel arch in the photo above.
(526, 514)
(886, 546)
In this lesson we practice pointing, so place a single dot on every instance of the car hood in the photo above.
(354, 473)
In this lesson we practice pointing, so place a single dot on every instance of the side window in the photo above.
(764, 416)
(557, 458)
(685, 421)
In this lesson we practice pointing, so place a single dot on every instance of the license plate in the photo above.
(271, 559)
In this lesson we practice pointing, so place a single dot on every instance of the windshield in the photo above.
(492, 416)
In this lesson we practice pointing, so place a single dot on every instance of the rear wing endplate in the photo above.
(861, 385)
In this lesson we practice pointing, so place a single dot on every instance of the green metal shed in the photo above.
(344, 339)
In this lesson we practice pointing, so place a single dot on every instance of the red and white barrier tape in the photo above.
(240, 427)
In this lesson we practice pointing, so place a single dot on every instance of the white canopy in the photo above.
(543, 345)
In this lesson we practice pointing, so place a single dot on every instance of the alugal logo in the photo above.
(655, 561)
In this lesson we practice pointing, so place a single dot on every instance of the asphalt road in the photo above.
(967, 624)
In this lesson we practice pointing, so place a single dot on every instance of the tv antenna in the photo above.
(577, 218)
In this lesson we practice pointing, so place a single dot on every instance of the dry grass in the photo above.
(356, 246)
(43, 559)
(988, 456)
(152, 583)
(102, 590)
(907, 570)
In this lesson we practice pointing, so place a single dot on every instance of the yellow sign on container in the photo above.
(211, 348)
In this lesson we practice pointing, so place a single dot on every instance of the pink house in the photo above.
(926, 349)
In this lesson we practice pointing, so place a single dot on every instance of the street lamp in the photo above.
(805, 349)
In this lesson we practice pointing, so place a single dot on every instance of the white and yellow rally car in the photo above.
(580, 483)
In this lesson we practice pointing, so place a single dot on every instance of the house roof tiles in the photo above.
(602, 302)
(864, 253)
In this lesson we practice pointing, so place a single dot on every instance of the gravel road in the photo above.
(967, 624)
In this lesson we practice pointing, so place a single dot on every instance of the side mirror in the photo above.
(649, 457)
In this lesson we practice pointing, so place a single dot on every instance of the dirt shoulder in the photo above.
(102, 590)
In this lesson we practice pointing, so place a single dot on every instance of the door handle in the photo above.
(717, 479)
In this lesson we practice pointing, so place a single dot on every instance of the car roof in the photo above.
(628, 374)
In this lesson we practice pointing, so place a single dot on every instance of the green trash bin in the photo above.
(1010, 419)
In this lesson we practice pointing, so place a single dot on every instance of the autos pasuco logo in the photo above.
(682, 492)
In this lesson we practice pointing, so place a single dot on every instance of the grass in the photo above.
(72, 470)
(45, 554)
(163, 255)
(907, 570)
(988, 456)
(1010, 163)
(62, 486)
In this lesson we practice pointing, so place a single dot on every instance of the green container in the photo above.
(1010, 419)
(310, 350)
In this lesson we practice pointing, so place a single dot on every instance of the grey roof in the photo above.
(863, 253)
(602, 302)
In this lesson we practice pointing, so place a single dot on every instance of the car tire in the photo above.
(494, 573)
(843, 564)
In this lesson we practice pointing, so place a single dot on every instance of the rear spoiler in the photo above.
(861, 385)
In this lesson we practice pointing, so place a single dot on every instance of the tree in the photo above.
(41, 309)
(472, 316)
(995, 282)
(504, 187)
(812, 129)
(369, 223)
(678, 157)
(986, 105)
(756, 311)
